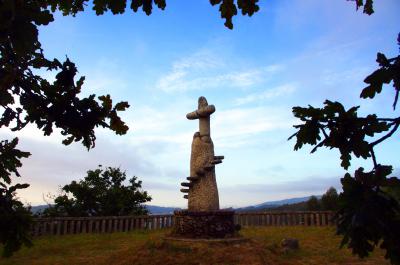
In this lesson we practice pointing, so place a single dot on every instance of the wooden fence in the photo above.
(105, 224)
(81, 225)
(315, 218)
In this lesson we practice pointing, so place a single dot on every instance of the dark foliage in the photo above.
(101, 193)
(368, 216)
(329, 201)
(367, 6)
(15, 220)
(369, 212)
(313, 204)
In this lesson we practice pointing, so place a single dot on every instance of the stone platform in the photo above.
(204, 225)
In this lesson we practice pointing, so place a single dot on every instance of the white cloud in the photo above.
(206, 70)
(278, 91)
(103, 75)
(240, 126)
(52, 165)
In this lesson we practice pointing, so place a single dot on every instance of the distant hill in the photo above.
(153, 209)
(38, 208)
(293, 204)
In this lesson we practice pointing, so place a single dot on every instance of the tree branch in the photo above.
(323, 132)
(396, 97)
(373, 156)
(396, 126)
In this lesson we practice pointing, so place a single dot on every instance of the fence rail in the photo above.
(306, 218)
(109, 224)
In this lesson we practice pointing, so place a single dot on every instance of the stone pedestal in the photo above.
(204, 224)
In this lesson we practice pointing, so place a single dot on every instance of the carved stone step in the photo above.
(185, 190)
(192, 178)
(216, 161)
(186, 184)
(185, 197)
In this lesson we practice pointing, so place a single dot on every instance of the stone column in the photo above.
(202, 186)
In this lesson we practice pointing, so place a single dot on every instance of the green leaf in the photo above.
(345, 157)
(248, 7)
(160, 4)
(17, 187)
(382, 60)
(106, 102)
(228, 10)
(117, 6)
(100, 6)
(68, 141)
(121, 106)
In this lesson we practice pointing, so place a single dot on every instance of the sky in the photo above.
(290, 53)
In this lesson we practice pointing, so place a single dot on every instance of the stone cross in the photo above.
(202, 113)
(202, 191)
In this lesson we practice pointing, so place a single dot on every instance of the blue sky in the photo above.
(291, 53)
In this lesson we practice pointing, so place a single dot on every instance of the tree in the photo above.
(15, 219)
(369, 214)
(329, 201)
(57, 104)
(101, 193)
(313, 204)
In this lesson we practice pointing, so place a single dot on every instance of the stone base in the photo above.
(204, 225)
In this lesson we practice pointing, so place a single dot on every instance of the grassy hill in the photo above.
(318, 245)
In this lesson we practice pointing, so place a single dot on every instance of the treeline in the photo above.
(328, 202)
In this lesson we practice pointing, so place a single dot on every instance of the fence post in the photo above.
(103, 225)
(58, 232)
(324, 219)
(78, 227)
(294, 219)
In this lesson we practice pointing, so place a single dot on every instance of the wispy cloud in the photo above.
(104, 74)
(240, 126)
(274, 92)
(207, 70)
(59, 165)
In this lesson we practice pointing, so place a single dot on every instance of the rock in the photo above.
(289, 244)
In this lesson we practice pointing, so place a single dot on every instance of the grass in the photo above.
(318, 245)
